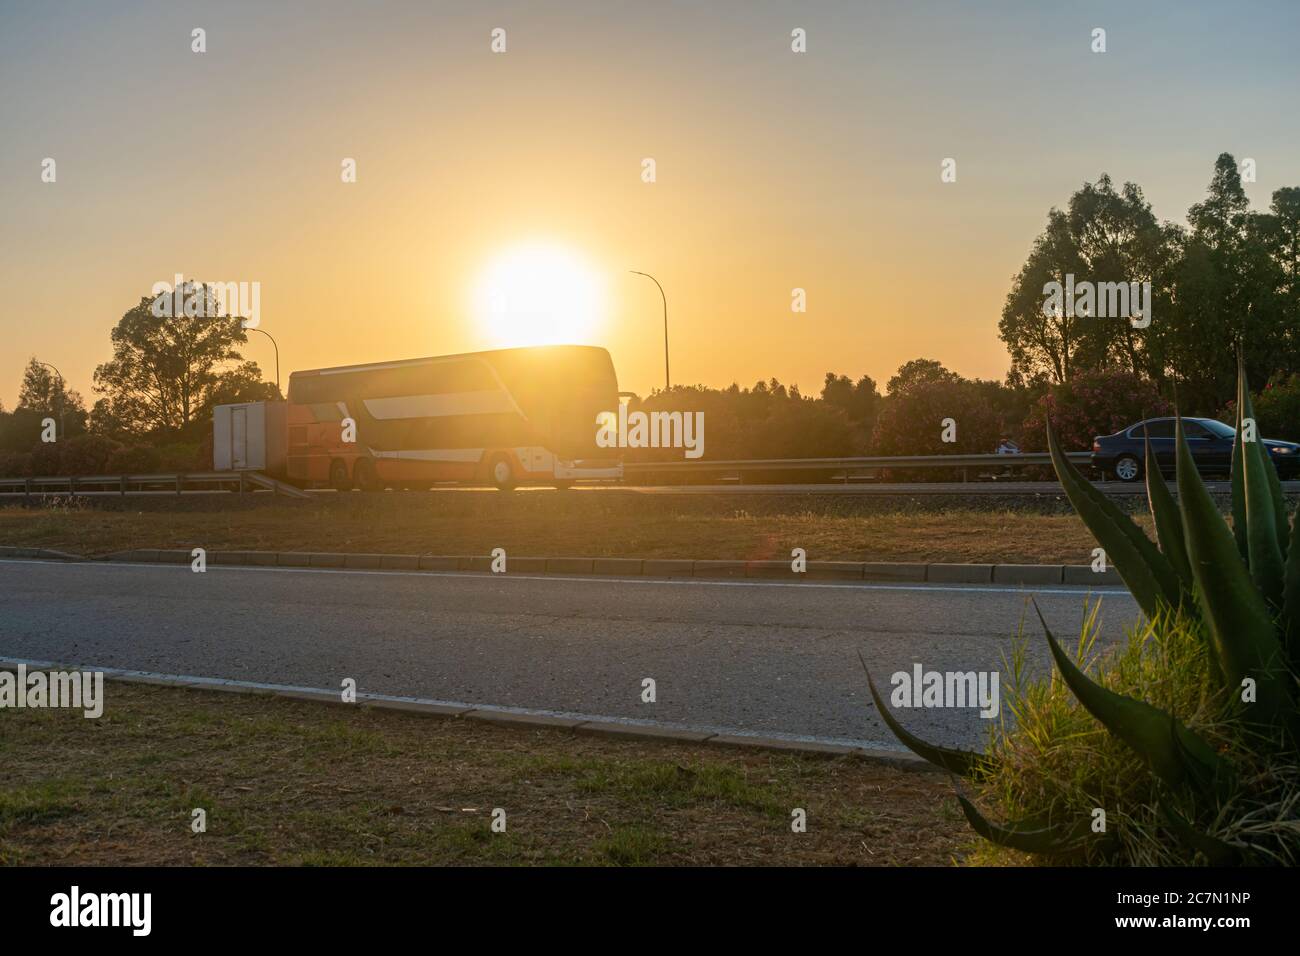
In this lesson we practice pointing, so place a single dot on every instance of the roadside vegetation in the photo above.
(576, 524)
(300, 783)
(1181, 747)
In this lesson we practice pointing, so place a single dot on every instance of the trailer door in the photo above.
(239, 438)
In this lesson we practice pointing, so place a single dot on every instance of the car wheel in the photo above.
(563, 485)
(366, 476)
(502, 472)
(1128, 468)
(339, 479)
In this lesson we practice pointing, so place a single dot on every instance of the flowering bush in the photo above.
(1090, 404)
(1277, 409)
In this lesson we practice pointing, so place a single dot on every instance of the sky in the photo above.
(774, 170)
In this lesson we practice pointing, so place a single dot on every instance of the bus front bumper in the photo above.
(607, 470)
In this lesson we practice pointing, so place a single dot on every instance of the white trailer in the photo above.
(250, 436)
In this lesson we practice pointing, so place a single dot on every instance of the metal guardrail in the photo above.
(178, 482)
(241, 481)
(963, 462)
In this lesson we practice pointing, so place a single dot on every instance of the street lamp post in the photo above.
(667, 379)
(62, 395)
(277, 357)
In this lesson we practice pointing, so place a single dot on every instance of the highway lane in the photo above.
(763, 657)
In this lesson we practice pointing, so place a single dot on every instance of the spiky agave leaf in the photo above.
(1262, 546)
(1270, 472)
(1240, 625)
(1150, 577)
(1291, 599)
(964, 763)
(1144, 728)
(1211, 777)
(1027, 836)
(1239, 522)
(1217, 852)
(1169, 523)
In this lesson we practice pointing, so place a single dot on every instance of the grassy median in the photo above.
(296, 782)
(578, 523)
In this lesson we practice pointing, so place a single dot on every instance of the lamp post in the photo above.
(667, 379)
(277, 356)
(62, 394)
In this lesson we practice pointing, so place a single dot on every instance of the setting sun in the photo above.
(539, 293)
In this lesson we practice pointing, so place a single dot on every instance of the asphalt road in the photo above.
(763, 657)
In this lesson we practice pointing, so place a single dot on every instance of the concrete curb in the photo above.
(515, 718)
(905, 572)
(40, 553)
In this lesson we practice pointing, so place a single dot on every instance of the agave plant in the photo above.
(1238, 590)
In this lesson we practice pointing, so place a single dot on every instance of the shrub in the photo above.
(134, 460)
(1277, 409)
(87, 455)
(1187, 738)
(1090, 404)
(911, 422)
(46, 458)
(15, 464)
(182, 456)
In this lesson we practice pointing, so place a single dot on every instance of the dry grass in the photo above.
(293, 782)
(577, 524)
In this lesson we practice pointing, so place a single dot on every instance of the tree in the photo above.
(43, 394)
(1283, 240)
(859, 401)
(1103, 236)
(1227, 296)
(918, 373)
(921, 397)
(168, 371)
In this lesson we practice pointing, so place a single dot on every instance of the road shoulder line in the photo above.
(513, 717)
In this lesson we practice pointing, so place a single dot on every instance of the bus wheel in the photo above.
(339, 480)
(502, 473)
(563, 485)
(366, 476)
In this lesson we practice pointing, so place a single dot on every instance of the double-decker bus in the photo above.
(510, 416)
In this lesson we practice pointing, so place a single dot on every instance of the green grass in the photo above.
(288, 782)
(580, 524)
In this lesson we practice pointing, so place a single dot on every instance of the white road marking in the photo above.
(194, 681)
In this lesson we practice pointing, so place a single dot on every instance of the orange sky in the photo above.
(775, 170)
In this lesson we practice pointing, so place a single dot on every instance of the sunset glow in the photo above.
(539, 293)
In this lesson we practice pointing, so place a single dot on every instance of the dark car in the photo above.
(1209, 441)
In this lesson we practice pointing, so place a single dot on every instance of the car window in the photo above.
(1219, 428)
(1195, 430)
(1161, 428)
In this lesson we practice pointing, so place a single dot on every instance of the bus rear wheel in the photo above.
(366, 476)
(339, 479)
(501, 472)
